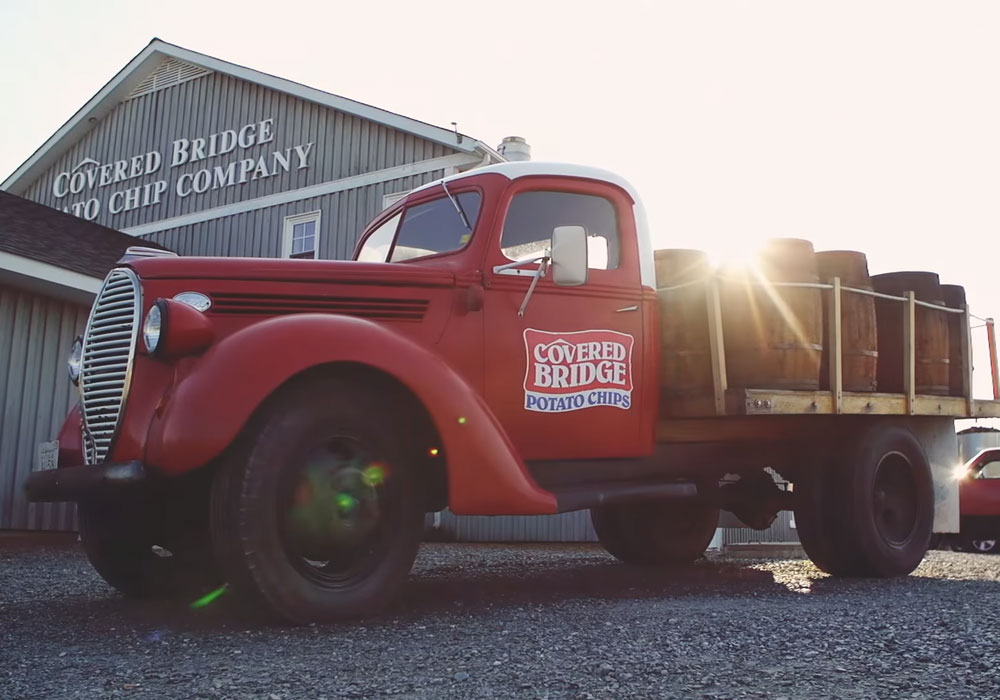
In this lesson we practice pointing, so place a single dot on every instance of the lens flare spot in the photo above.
(210, 598)
(346, 502)
(462, 420)
(433, 452)
(373, 475)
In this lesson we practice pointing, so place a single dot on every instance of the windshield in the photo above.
(531, 217)
(426, 229)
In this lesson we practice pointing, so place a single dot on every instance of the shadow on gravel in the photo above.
(465, 587)
(465, 590)
(531, 583)
(455, 581)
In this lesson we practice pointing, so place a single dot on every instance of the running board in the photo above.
(591, 495)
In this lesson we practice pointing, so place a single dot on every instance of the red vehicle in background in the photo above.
(979, 494)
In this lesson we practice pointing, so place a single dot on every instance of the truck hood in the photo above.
(279, 270)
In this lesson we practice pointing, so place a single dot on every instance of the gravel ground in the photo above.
(487, 621)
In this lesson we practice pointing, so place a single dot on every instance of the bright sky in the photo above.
(868, 125)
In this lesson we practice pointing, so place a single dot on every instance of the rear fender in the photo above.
(212, 401)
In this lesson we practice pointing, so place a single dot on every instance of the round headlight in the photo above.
(151, 327)
(75, 362)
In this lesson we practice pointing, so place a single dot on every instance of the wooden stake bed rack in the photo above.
(750, 402)
(771, 402)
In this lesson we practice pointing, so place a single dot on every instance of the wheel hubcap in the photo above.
(984, 545)
(334, 512)
(895, 499)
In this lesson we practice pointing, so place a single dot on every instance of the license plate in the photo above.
(48, 455)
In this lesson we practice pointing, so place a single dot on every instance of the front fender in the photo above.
(71, 439)
(212, 401)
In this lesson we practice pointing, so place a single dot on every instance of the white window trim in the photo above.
(389, 199)
(289, 227)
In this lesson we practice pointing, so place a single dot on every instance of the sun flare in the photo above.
(738, 254)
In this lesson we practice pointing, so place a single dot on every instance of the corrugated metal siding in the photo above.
(780, 531)
(258, 233)
(565, 527)
(36, 333)
(343, 145)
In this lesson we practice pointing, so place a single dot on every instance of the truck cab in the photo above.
(491, 228)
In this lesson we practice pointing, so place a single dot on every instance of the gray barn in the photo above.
(211, 158)
(206, 158)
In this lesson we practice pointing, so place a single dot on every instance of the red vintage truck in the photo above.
(979, 495)
(496, 347)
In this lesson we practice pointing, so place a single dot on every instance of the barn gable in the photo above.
(178, 138)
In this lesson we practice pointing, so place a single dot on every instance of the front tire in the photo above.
(655, 532)
(318, 512)
(123, 545)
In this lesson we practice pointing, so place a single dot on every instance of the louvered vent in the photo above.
(171, 72)
(279, 305)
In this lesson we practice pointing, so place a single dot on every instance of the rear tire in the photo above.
(870, 511)
(818, 519)
(317, 513)
(655, 532)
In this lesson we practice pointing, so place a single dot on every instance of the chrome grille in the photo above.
(108, 350)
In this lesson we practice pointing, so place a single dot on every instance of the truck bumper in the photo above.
(85, 482)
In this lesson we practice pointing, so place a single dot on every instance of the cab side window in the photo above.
(531, 217)
(436, 227)
(990, 470)
(378, 244)
(439, 226)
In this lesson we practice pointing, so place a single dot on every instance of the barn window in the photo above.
(301, 236)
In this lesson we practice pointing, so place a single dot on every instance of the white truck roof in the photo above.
(512, 171)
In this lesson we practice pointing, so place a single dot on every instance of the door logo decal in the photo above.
(577, 370)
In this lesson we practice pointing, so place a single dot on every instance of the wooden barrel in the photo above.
(685, 359)
(954, 297)
(858, 332)
(774, 335)
(930, 333)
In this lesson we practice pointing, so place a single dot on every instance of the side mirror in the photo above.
(569, 255)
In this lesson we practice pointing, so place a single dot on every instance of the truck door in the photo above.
(565, 379)
(980, 494)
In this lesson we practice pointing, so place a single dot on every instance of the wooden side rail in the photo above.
(833, 302)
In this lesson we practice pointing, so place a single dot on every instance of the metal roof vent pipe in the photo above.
(514, 148)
